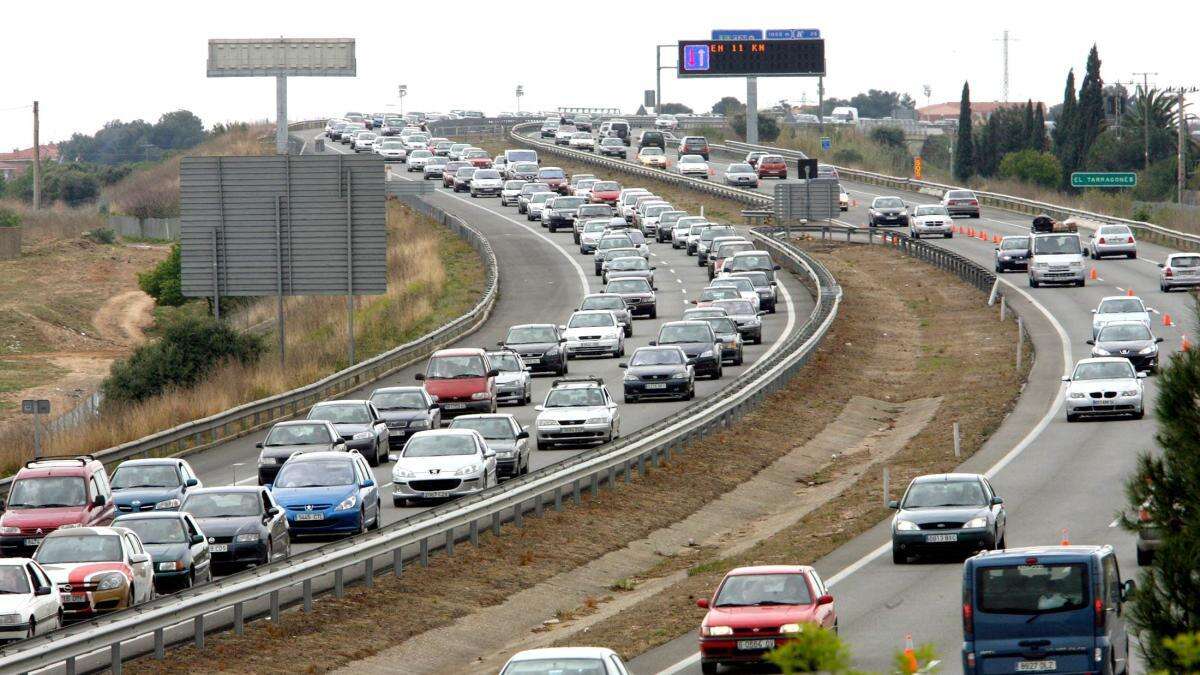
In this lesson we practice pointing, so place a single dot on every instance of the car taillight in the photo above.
(1099, 607)
(1168, 272)
(1101, 240)
(968, 618)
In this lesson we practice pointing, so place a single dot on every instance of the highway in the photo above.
(1061, 476)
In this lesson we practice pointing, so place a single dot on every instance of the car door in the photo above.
(998, 511)
(1114, 610)
(143, 568)
(369, 494)
(614, 409)
(826, 616)
(201, 558)
(44, 608)
(276, 524)
(380, 429)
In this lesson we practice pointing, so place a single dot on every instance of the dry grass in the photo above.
(433, 277)
(52, 223)
(940, 316)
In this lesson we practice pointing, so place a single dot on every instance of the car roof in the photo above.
(770, 569)
(534, 325)
(946, 477)
(156, 515)
(484, 416)
(445, 431)
(322, 454)
(398, 389)
(341, 401)
(248, 489)
(153, 461)
(1117, 297)
(57, 467)
(563, 653)
(16, 561)
(459, 351)
(1070, 553)
(109, 531)
(1103, 359)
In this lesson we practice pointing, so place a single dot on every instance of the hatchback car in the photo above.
(612, 147)
(638, 295)
(1119, 308)
(747, 317)
(771, 166)
(628, 267)
(1013, 253)
(694, 166)
(97, 569)
(540, 346)
(1104, 386)
(658, 372)
(560, 212)
(486, 182)
(767, 295)
(887, 211)
(462, 179)
(612, 303)
(513, 383)
(449, 169)
(605, 192)
(442, 464)
(741, 175)
(653, 157)
(1179, 270)
(328, 493)
(244, 525)
(1129, 339)
(406, 410)
(29, 601)
(417, 159)
(149, 484)
(554, 178)
(503, 435)
(594, 333)
(511, 192)
(177, 547)
(435, 167)
(47, 494)
(961, 203)
(359, 424)
(295, 437)
(694, 145)
(463, 380)
(1109, 240)
(527, 192)
(949, 512)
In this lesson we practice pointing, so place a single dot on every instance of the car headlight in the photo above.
(1100, 351)
(401, 474)
(717, 631)
(975, 523)
(790, 628)
(246, 537)
(481, 396)
(469, 470)
(547, 423)
(1149, 350)
(171, 566)
(347, 503)
(1076, 394)
(596, 420)
(110, 581)
(362, 435)
(1006, 257)
(631, 377)
(11, 619)
(1131, 392)
(906, 526)
(418, 424)
(553, 351)
(167, 504)
(707, 354)
(1041, 265)
(1076, 265)
(10, 530)
(679, 376)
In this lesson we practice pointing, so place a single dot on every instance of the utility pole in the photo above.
(1182, 126)
(821, 104)
(403, 91)
(752, 110)
(520, 93)
(37, 160)
(1146, 117)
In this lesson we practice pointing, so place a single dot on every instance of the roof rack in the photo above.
(578, 379)
(81, 459)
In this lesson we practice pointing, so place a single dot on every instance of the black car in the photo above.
(698, 342)
(505, 437)
(288, 438)
(608, 251)
(560, 212)
(359, 423)
(1130, 339)
(638, 295)
(947, 513)
(731, 338)
(177, 546)
(654, 372)
(589, 211)
(540, 346)
(652, 139)
(244, 525)
(406, 410)
(1012, 254)
(887, 211)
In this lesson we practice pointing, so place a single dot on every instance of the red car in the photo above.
(605, 192)
(771, 165)
(463, 381)
(555, 177)
(449, 170)
(478, 159)
(755, 609)
(48, 494)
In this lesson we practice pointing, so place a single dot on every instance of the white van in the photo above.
(844, 115)
(1055, 258)
(511, 157)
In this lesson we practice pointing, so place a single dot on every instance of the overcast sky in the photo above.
(89, 62)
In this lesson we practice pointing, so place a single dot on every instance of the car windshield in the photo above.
(1056, 244)
(592, 320)
(944, 493)
(315, 473)
(607, 186)
(595, 226)
(450, 367)
(889, 203)
(530, 334)
(574, 397)
(392, 145)
(551, 173)
(48, 492)
(475, 154)
(1185, 261)
(420, 154)
(525, 167)
(465, 172)
(1124, 332)
(1121, 306)
(650, 151)
(960, 194)
(602, 210)
(79, 548)
(742, 285)
(750, 262)
(628, 286)
(756, 278)
(223, 504)
(1032, 588)
(684, 333)
(771, 159)
(603, 303)
(298, 434)
(506, 362)
(615, 242)
(440, 445)
(735, 307)
(1014, 243)
(692, 159)
(612, 141)
(657, 357)
(1104, 370)
(148, 476)
(630, 263)
(556, 666)
(484, 174)
(488, 427)
(13, 580)
(581, 134)
(726, 250)
(739, 168)
(399, 400)
(719, 293)
(931, 210)
(156, 530)
(514, 184)
(744, 590)
(568, 202)
(346, 413)
(521, 155)
(541, 197)
(721, 325)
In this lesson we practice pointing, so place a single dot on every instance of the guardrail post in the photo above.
(612, 477)
(369, 572)
(425, 552)
(576, 489)
(654, 457)
(198, 628)
(114, 658)
(627, 467)
(160, 649)
(239, 619)
(449, 543)
(308, 594)
(69, 666)
(957, 441)
(538, 506)
(885, 486)
(339, 582)
(474, 533)
(558, 498)
(275, 605)
(641, 461)
(496, 524)
(397, 560)
(1003, 307)
(595, 485)
(519, 515)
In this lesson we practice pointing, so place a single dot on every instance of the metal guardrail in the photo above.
(191, 437)
(295, 579)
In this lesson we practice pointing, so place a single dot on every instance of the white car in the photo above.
(1111, 240)
(486, 182)
(843, 198)
(692, 165)
(563, 136)
(1179, 270)
(1104, 386)
(743, 286)
(511, 192)
(29, 602)
(112, 569)
(417, 159)
(1119, 308)
(577, 410)
(537, 204)
(930, 219)
(416, 141)
(666, 122)
(442, 463)
(364, 141)
(590, 235)
(582, 140)
(741, 175)
(590, 660)
(651, 215)
(627, 200)
(514, 383)
(391, 150)
(594, 332)
(652, 157)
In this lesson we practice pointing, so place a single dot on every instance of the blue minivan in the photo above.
(1051, 609)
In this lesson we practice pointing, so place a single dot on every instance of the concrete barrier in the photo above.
(166, 229)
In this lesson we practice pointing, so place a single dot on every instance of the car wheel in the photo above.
(1001, 543)
(1139, 414)
(32, 628)
(1081, 283)
(362, 522)
(544, 445)
(397, 502)
(1072, 417)
(378, 516)
(1132, 255)
(1033, 282)
(1163, 287)
(373, 460)
(739, 359)
(654, 312)
(629, 328)
(709, 668)
(898, 558)
(528, 395)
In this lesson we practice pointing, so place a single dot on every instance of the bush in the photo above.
(812, 649)
(768, 127)
(1156, 184)
(1032, 166)
(889, 137)
(101, 235)
(935, 151)
(164, 281)
(190, 347)
(9, 219)
(847, 156)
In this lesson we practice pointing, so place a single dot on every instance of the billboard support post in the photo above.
(752, 110)
(281, 130)
(350, 266)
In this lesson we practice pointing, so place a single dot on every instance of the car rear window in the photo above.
(551, 173)
(1032, 588)
(1185, 261)
(1014, 243)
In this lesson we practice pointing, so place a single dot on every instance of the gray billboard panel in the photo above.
(256, 226)
(291, 57)
(815, 199)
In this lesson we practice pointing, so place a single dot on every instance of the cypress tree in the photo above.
(1037, 139)
(1064, 130)
(1027, 124)
(964, 153)
(1090, 117)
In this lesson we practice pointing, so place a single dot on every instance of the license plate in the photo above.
(756, 644)
(570, 430)
(74, 597)
(437, 494)
(590, 343)
(656, 385)
(218, 548)
(454, 406)
(32, 542)
(531, 359)
(939, 538)
(310, 516)
(1036, 666)
(1101, 402)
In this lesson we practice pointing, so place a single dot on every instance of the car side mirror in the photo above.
(522, 434)
(1127, 589)
(997, 249)
(273, 511)
(1142, 376)
(622, 365)
(702, 603)
(139, 558)
(493, 373)
(893, 504)
(762, 312)
(1161, 265)
(489, 453)
(997, 501)
(776, 268)
(1091, 342)
(826, 599)
(197, 539)
(539, 407)
(500, 343)
(43, 590)
(1093, 311)
(419, 377)
(1066, 379)
(370, 482)
(653, 343)
(99, 500)
(258, 445)
(1157, 340)
(191, 482)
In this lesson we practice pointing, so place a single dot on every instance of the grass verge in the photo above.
(860, 356)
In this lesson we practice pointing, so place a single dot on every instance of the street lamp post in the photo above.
(658, 68)
(403, 91)
(520, 93)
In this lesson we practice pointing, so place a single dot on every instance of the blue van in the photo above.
(1050, 609)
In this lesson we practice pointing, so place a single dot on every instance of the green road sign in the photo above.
(1103, 179)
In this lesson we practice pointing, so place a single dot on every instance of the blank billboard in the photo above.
(292, 57)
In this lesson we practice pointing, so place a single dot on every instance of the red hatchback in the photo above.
(755, 609)
(771, 165)
(462, 381)
(51, 493)
(555, 177)
(605, 192)
(478, 159)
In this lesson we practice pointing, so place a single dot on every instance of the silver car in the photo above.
(1104, 386)
(1111, 240)
(613, 303)
(513, 383)
(443, 463)
(511, 192)
(961, 203)
(1179, 270)
(930, 219)
(626, 267)
(741, 175)
(505, 436)
(1119, 308)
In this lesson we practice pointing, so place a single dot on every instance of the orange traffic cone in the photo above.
(910, 655)
(1167, 320)
(1129, 292)
(970, 232)
(1094, 276)
(1066, 541)
(1184, 344)
(983, 235)
(995, 239)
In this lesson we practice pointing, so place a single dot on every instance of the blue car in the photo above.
(324, 493)
(152, 484)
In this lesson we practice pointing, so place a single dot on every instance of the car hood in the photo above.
(501, 444)
(77, 573)
(889, 212)
(573, 413)
(643, 371)
(770, 616)
(932, 219)
(403, 414)
(312, 495)
(166, 552)
(692, 349)
(47, 518)
(347, 430)
(616, 274)
(436, 466)
(936, 514)
(487, 182)
(1101, 319)
(285, 451)
(139, 496)
(604, 332)
(508, 377)
(228, 527)
(1125, 348)
(531, 347)
(1085, 386)
(14, 602)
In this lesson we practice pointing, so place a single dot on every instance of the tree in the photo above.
(1163, 487)
(1037, 138)
(1027, 125)
(177, 130)
(728, 106)
(889, 137)
(811, 650)
(964, 158)
(1065, 128)
(877, 103)
(73, 186)
(674, 109)
(1031, 166)
(935, 151)
(768, 128)
(1090, 115)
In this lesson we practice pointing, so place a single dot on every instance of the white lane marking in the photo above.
(246, 480)
(336, 147)
(1120, 289)
(1115, 522)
